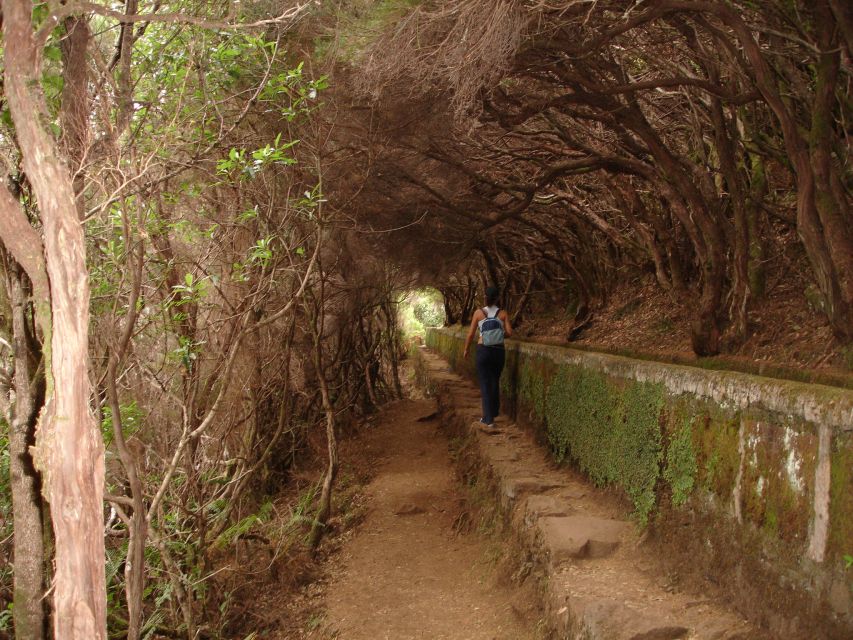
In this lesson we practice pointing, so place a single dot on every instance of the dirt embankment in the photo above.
(787, 338)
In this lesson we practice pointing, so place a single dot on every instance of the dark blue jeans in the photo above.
(490, 364)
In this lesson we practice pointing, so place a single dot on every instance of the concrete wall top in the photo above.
(820, 404)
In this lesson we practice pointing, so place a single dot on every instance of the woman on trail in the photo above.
(493, 324)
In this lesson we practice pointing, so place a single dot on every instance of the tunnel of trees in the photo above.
(210, 211)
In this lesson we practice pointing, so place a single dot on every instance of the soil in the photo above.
(784, 330)
(405, 572)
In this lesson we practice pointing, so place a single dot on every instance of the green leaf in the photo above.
(52, 52)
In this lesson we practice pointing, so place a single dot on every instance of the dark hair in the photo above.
(492, 295)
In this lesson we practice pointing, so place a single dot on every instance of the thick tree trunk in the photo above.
(734, 178)
(830, 199)
(449, 316)
(74, 115)
(69, 448)
(29, 612)
(469, 302)
(757, 191)
(823, 219)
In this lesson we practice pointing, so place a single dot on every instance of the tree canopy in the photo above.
(210, 212)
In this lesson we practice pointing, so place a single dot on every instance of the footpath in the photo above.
(406, 573)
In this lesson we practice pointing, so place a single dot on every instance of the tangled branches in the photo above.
(460, 47)
(611, 134)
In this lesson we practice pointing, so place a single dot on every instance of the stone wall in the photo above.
(743, 477)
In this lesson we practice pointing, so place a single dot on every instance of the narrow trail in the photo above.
(406, 574)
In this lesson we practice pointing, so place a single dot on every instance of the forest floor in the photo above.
(637, 316)
(405, 572)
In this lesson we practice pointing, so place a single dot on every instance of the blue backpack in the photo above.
(492, 330)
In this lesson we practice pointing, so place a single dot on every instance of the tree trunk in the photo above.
(393, 347)
(69, 449)
(678, 187)
(757, 191)
(822, 207)
(734, 179)
(449, 315)
(74, 115)
(324, 509)
(29, 612)
(134, 566)
(830, 199)
(632, 208)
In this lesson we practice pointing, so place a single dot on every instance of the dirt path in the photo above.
(405, 574)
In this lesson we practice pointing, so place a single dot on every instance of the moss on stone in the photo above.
(650, 437)
(612, 431)
(774, 492)
(841, 497)
(579, 410)
(719, 458)
(533, 376)
(638, 454)
(681, 467)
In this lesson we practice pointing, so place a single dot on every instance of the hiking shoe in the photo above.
(491, 425)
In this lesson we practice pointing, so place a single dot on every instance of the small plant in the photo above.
(664, 326)
(131, 421)
(6, 618)
(314, 621)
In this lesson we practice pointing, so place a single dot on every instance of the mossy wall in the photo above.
(773, 456)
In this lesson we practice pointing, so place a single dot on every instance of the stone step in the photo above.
(574, 537)
(610, 619)
(607, 618)
(539, 506)
(513, 487)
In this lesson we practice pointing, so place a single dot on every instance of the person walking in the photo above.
(494, 325)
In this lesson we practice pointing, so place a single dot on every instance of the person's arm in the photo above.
(507, 324)
(471, 331)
